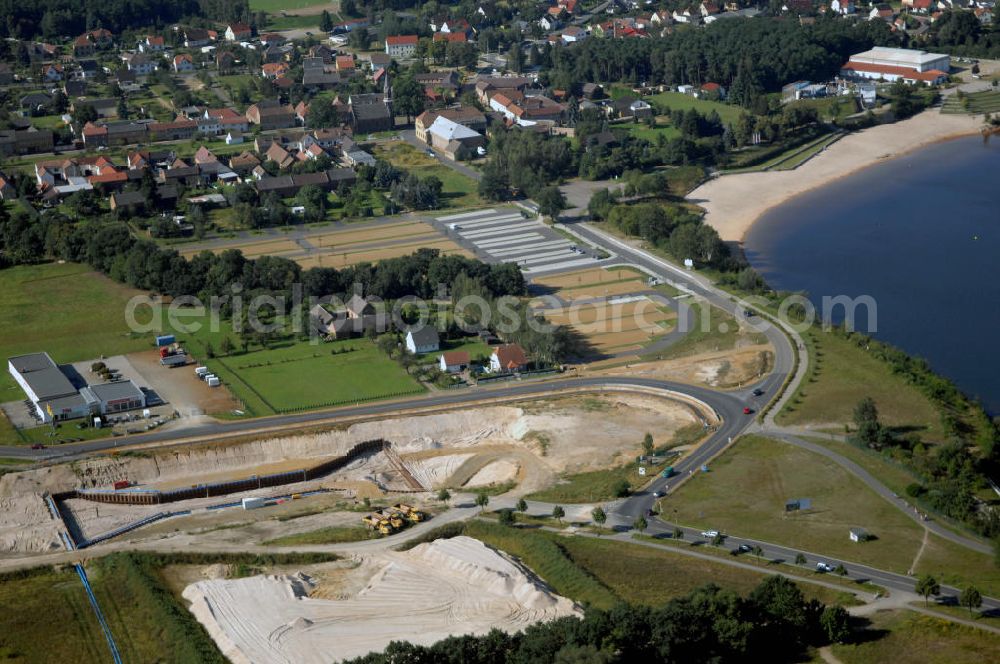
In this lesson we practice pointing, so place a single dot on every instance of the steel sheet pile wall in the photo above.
(148, 497)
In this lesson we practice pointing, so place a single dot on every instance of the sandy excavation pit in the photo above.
(529, 444)
(438, 589)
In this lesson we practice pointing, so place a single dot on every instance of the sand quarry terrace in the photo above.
(460, 449)
(437, 589)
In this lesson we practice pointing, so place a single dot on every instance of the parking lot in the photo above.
(506, 236)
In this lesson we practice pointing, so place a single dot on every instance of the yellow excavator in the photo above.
(394, 518)
(410, 512)
(378, 523)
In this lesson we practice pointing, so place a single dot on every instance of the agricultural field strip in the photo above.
(296, 251)
(335, 236)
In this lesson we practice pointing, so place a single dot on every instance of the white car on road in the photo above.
(824, 567)
(710, 533)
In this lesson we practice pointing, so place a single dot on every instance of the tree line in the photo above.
(110, 248)
(773, 623)
(58, 18)
(751, 56)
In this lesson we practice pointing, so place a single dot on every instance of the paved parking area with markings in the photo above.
(506, 236)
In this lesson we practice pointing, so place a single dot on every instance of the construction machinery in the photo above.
(395, 519)
(378, 523)
(410, 512)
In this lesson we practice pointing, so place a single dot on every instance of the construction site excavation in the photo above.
(349, 489)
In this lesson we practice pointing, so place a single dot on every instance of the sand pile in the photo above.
(438, 589)
(495, 472)
(26, 525)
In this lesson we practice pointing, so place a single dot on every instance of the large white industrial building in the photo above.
(893, 64)
(54, 397)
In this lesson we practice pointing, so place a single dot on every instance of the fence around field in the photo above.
(154, 497)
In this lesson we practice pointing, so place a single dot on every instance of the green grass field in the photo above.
(293, 22)
(745, 493)
(275, 6)
(601, 572)
(459, 191)
(829, 108)
(679, 101)
(53, 621)
(297, 375)
(841, 374)
(652, 134)
(905, 636)
(625, 569)
(83, 316)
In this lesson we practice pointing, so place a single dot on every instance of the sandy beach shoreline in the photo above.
(733, 203)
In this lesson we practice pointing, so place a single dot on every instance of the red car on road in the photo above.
(747, 410)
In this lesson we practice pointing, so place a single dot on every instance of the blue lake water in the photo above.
(921, 235)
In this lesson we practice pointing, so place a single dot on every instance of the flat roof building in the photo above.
(893, 64)
(54, 397)
(904, 57)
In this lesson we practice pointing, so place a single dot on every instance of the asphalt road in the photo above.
(728, 407)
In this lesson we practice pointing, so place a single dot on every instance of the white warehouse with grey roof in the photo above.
(54, 396)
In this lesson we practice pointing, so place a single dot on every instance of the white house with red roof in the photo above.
(183, 62)
(401, 46)
(508, 358)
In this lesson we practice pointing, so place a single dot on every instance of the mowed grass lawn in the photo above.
(68, 310)
(458, 190)
(652, 134)
(683, 102)
(275, 6)
(745, 493)
(297, 375)
(906, 636)
(841, 374)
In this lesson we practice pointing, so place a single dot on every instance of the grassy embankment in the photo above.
(905, 636)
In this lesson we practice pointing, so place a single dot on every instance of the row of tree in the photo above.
(58, 18)
(110, 248)
(773, 623)
(749, 57)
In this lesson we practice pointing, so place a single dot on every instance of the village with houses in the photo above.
(293, 290)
